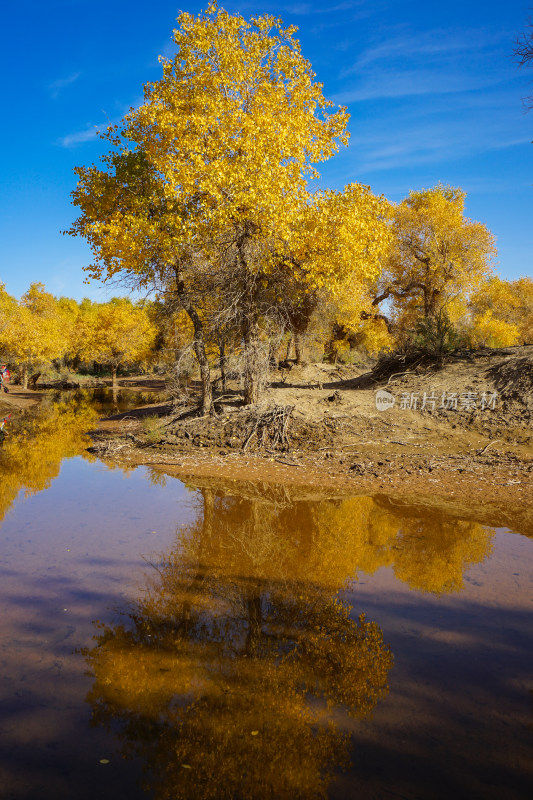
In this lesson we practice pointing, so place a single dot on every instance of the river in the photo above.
(214, 639)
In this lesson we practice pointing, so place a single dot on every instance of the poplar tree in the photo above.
(205, 191)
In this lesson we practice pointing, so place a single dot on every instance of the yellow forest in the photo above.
(57, 338)
(209, 204)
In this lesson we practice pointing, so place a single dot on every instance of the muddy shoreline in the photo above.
(477, 462)
(327, 434)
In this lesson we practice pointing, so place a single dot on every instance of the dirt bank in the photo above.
(463, 430)
(18, 400)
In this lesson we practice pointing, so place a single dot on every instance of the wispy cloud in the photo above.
(299, 9)
(346, 21)
(91, 132)
(432, 62)
(56, 86)
(434, 143)
(409, 83)
(306, 9)
(435, 44)
(80, 137)
(168, 50)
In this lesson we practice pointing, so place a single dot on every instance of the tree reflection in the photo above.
(31, 455)
(224, 676)
(433, 553)
(428, 549)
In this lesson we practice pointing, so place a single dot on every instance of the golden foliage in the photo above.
(227, 136)
(31, 455)
(487, 330)
(205, 193)
(437, 255)
(33, 330)
(8, 308)
(235, 124)
(117, 333)
(340, 241)
(502, 312)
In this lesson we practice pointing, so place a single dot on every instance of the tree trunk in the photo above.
(298, 348)
(198, 346)
(252, 369)
(253, 366)
(24, 377)
(114, 378)
(223, 363)
(289, 345)
(272, 358)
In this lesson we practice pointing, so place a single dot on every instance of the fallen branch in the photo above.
(224, 396)
(480, 452)
(397, 375)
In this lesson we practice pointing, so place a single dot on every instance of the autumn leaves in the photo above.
(40, 329)
(204, 198)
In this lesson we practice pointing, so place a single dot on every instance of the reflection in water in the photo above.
(237, 670)
(231, 675)
(225, 676)
(30, 457)
(108, 400)
(427, 549)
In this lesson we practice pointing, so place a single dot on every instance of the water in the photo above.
(111, 401)
(241, 640)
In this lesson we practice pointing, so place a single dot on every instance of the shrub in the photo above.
(153, 428)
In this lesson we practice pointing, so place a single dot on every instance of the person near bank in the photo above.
(3, 432)
(4, 378)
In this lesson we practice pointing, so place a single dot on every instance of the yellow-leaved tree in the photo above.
(502, 312)
(8, 308)
(117, 333)
(33, 334)
(68, 312)
(205, 192)
(437, 255)
(335, 254)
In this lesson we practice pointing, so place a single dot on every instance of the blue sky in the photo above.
(432, 89)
